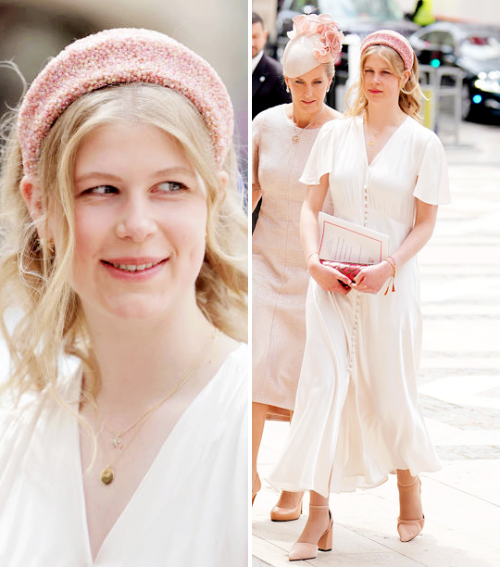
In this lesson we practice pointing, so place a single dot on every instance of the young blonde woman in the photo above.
(282, 140)
(123, 425)
(357, 417)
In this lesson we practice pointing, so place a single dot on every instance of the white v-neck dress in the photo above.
(189, 510)
(356, 413)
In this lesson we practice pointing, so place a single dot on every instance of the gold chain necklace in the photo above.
(108, 473)
(375, 136)
(296, 138)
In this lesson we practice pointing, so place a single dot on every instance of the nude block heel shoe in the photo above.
(302, 551)
(409, 529)
(279, 514)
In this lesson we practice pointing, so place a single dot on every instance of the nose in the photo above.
(135, 222)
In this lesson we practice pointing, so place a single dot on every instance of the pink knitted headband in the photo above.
(122, 56)
(392, 39)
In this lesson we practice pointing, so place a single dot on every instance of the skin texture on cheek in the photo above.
(378, 75)
(140, 223)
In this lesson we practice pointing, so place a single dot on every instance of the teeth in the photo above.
(134, 267)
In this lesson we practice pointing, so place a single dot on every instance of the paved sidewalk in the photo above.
(459, 395)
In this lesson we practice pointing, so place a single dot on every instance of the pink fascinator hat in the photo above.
(313, 40)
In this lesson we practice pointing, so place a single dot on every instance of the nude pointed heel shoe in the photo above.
(409, 529)
(255, 488)
(302, 551)
(279, 514)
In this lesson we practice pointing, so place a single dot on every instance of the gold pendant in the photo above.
(371, 142)
(108, 475)
(295, 139)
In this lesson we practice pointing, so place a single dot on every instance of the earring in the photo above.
(287, 89)
(328, 90)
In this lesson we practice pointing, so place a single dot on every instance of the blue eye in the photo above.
(171, 187)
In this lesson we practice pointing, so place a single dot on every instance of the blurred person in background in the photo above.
(268, 86)
(282, 139)
(123, 424)
(357, 417)
(423, 14)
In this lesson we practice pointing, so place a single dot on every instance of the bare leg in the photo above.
(259, 413)
(410, 504)
(411, 518)
(317, 521)
(288, 500)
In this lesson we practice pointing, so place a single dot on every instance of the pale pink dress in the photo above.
(279, 277)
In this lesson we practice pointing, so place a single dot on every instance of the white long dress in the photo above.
(189, 510)
(356, 416)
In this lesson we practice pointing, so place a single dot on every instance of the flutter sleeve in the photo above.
(321, 157)
(432, 185)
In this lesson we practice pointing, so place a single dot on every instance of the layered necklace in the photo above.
(296, 137)
(108, 472)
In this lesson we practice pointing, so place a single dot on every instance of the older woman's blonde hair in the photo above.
(410, 95)
(34, 277)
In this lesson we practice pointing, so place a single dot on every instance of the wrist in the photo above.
(312, 259)
(391, 264)
(388, 268)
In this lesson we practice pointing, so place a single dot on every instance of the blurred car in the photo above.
(473, 48)
(359, 17)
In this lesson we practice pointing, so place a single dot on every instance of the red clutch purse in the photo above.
(349, 270)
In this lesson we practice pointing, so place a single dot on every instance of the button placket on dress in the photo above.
(358, 295)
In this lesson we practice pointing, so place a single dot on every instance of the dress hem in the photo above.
(348, 484)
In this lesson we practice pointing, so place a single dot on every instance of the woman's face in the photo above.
(309, 90)
(140, 222)
(380, 83)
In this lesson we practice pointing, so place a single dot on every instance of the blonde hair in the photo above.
(409, 96)
(35, 278)
(329, 69)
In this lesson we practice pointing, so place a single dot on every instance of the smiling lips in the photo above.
(134, 265)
